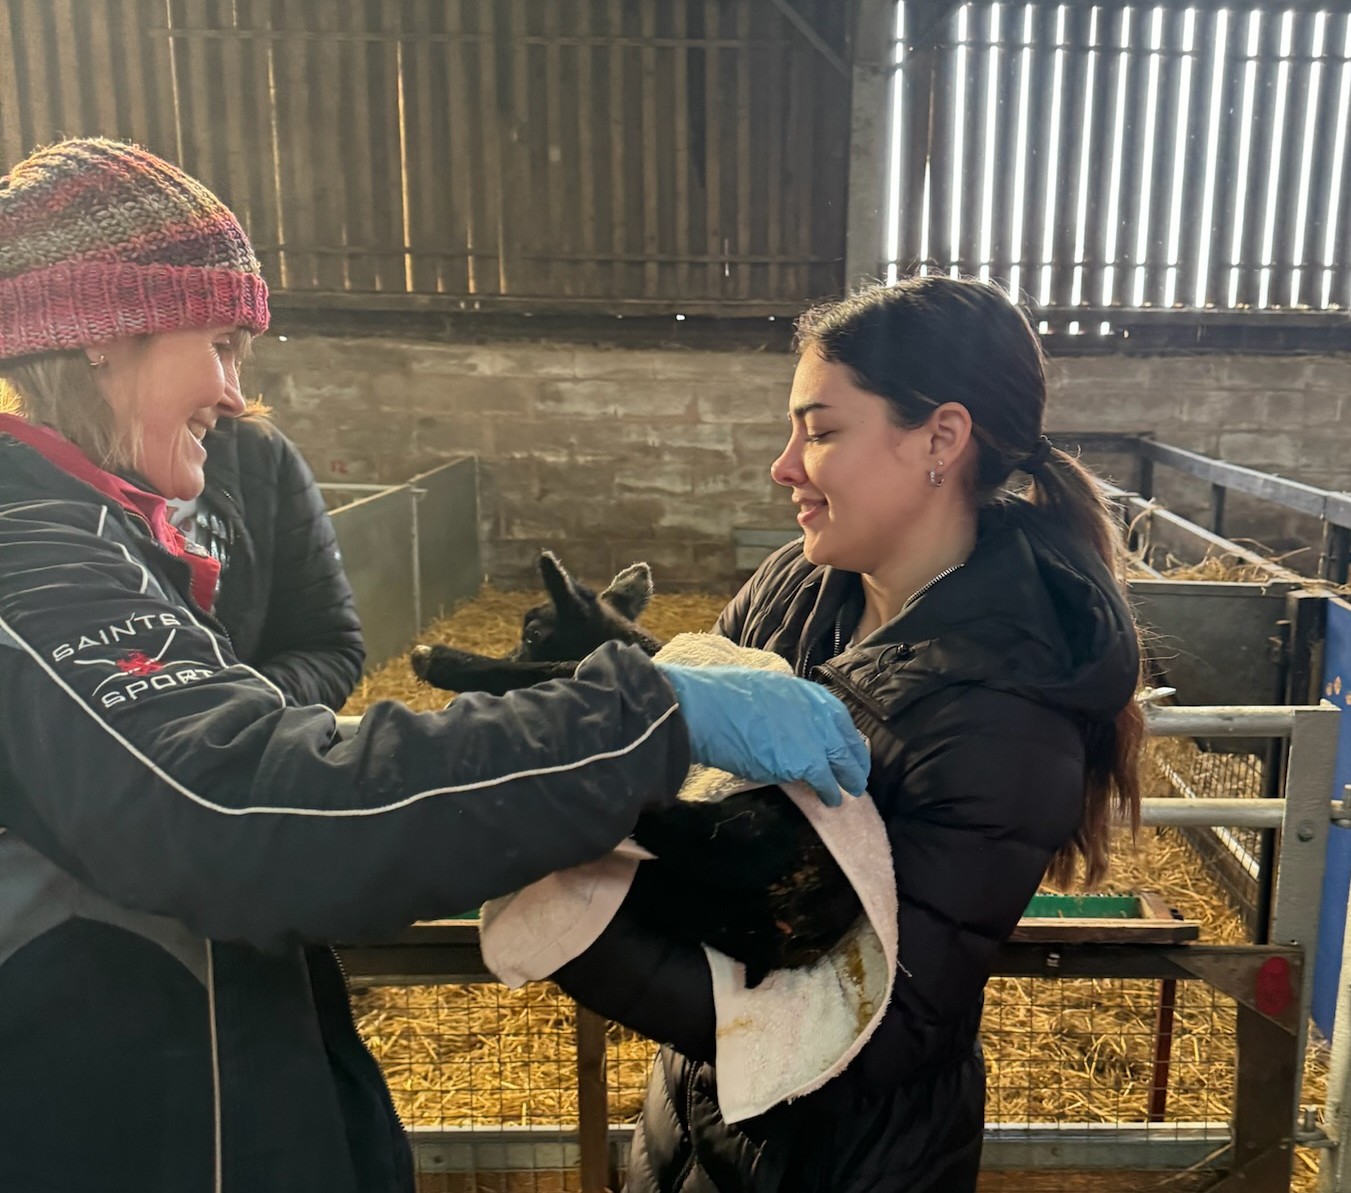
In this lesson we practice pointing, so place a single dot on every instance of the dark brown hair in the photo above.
(929, 340)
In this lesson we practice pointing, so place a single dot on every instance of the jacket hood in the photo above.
(1032, 612)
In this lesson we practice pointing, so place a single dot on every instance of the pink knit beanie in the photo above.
(100, 240)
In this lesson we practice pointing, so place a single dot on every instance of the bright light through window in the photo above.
(1110, 157)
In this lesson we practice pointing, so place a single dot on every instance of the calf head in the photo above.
(575, 621)
(555, 635)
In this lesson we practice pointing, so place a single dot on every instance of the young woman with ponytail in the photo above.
(976, 627)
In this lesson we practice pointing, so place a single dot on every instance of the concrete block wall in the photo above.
(608, 455)
(1286, 415)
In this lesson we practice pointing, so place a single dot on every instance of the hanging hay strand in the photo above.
(1056, 1050)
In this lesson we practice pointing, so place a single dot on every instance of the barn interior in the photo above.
(534, 270)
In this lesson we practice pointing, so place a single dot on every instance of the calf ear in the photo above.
(630, 591)
(562, 591)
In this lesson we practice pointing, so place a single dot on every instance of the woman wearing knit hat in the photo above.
(176, 839)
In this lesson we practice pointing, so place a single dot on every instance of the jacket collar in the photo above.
(1031, 612)
(148, 507)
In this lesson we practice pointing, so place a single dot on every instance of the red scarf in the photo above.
(148, 506)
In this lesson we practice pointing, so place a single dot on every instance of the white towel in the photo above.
(799, 1027)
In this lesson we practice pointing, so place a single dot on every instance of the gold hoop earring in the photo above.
(98, 364)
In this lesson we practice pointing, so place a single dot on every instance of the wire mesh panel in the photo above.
(475, 1055)
(1078, 1051)
(629, 1060)
(1233, 856)
(485, 1079)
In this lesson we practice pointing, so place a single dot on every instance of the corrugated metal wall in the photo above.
(616, 154)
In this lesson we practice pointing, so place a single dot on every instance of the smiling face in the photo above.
(166, 392)
(857, 478)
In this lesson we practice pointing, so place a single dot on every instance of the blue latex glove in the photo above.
(770, 727)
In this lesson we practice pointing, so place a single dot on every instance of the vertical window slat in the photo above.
(1176, 120)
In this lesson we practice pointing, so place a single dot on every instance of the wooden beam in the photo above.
(814, 39)
(869, 141)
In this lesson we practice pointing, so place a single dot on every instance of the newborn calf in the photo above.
(746, 874)
(555, 636)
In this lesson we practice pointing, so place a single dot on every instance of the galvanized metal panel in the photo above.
(450, 567)
(1212, 640)
(375, 535)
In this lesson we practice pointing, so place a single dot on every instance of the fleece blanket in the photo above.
(799, 1027)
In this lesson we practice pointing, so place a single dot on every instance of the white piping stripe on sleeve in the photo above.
(35, 505)
(136, 563)
(215, 1065)
(325, 813)
(103, 517)
(220, 659)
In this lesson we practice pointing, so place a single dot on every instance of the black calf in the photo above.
(747, 874)
(555, 636)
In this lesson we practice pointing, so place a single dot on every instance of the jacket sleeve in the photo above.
(142, 758)
(985, 788)
(654, 986)
(311, 645)
(732, 620)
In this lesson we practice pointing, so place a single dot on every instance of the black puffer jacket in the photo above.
(976, 702)
(284, 597)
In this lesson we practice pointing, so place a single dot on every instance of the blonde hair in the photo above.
(61, 390)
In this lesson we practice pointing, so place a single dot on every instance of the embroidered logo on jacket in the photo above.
(138, 664)
(136, 669)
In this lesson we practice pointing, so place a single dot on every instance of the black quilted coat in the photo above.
(978, 702)
(283, 597)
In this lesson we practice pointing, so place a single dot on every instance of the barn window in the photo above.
(1095, 158)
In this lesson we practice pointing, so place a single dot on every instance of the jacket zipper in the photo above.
(346, 986)
(688, 1166)
(835, 679)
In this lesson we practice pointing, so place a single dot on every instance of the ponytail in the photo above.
(1063, 488)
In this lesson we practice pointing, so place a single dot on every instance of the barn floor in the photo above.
(1056, 1051)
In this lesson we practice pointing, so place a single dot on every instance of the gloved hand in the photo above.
(770, 727)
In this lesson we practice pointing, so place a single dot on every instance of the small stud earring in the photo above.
(98, 364)
(936, 477)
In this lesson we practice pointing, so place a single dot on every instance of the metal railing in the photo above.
(1267, 1119)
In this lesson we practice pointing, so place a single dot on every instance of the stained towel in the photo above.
(799, 1027)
